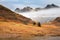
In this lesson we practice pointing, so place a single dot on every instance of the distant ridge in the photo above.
(28, 9)
(51, 6)
(57, 19)
(8, 15)
(25, 9)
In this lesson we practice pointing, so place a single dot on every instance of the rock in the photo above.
(51, 6)
(26, 9)
(17, 10)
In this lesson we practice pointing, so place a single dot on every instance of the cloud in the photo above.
(26, 1)
(43, 16)
(12, 0)
(9, 0)
(2, 0)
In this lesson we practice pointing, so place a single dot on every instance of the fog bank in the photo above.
(44, 15)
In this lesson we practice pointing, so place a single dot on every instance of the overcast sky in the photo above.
(12, 4)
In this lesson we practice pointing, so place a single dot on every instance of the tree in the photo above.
(39, 24)
(34, 23)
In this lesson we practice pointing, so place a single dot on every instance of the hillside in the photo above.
(56, 21)
(8, 15)
(13, 29)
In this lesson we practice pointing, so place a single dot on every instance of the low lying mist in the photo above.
(44, 15)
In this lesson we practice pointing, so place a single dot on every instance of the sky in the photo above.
(12, 4)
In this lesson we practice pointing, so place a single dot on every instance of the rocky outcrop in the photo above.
(25, 9)
(17, 10)
(51, 6)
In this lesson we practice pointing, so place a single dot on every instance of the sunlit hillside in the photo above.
(13, 29)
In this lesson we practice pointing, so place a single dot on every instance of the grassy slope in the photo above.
(13, 29)
(8, 15)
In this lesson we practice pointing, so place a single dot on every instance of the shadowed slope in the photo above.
(8, 15)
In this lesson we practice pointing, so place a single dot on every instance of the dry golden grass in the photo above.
(13, 29)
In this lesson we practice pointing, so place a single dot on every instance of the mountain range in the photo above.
(27, 9)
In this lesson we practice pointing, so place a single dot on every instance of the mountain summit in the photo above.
(25, 9)
(51, 6)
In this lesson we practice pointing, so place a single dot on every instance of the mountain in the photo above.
(37, 9)
(8, 15)
(51, 6)
(17, 10)
(25, 9)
